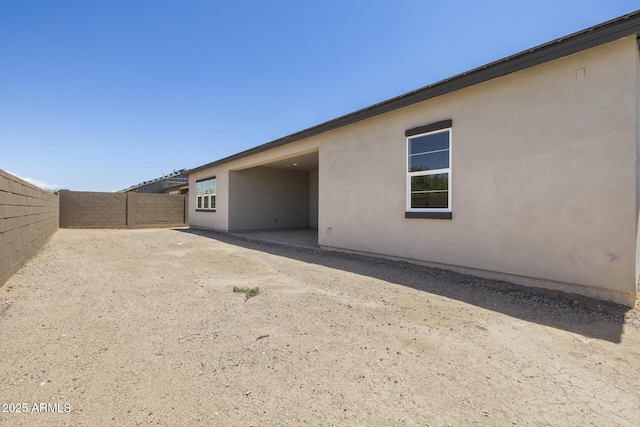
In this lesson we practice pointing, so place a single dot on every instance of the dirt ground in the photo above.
(142, 327)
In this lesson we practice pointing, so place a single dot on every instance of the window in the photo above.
(429, 171)
(206, 194)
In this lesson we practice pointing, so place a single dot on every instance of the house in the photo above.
(160, 185)
(182, 188)
(525, 169)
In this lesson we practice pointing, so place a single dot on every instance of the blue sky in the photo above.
(102, 95)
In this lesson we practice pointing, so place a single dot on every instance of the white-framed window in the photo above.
(206, 194)
(429, 169)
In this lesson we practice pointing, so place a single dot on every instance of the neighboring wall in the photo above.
(91, 209)
(159, 208)
(82, 209)
(28, 218)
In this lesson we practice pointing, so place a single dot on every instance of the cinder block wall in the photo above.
(82, 209)
(92, 209)
(160, 209)
(28, 218)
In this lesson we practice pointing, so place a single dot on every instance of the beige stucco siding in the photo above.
(544, 178)
(264, 198)
(637, 166)
(218, 219)
(313, 199)
(543, 174)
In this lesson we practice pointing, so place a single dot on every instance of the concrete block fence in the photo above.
(84, 209)
(28, 218)
(160, 208)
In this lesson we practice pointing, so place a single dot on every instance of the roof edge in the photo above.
(608, 31)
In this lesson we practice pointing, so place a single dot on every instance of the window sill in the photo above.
(432, 215)
(205, 210)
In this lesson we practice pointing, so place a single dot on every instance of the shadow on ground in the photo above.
(573, 313)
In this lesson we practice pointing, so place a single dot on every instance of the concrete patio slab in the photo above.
(305, 237)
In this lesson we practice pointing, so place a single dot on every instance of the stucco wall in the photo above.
(264, 198)
(218, 219)
(28, 218)
(313, 199)
(543, 178)
(543, 181)
(638, 166)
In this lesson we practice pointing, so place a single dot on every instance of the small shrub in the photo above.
(248, 292)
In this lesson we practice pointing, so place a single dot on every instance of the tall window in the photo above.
(206, 194)
(429, 170)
